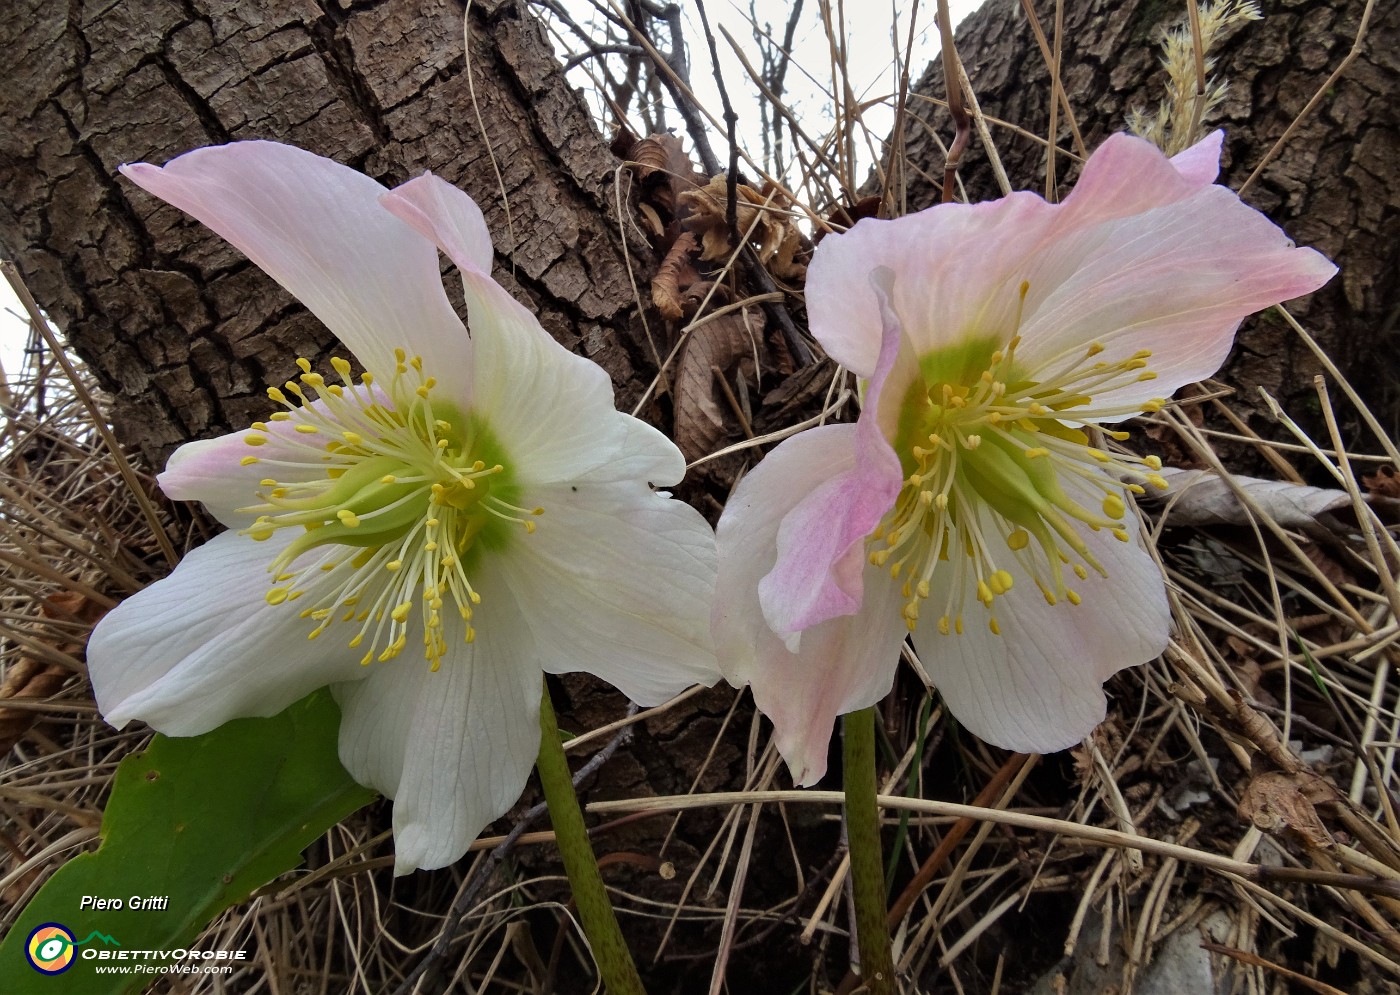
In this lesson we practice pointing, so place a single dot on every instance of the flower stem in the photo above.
(596, 912)
(867, 866)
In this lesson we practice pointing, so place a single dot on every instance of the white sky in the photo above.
(874, 31)
(14, 331)
(870, 31)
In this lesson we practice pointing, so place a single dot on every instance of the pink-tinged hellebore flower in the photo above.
(973, 504)
(428, 537)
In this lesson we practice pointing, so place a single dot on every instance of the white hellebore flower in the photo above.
(427, 538)
(972, 506)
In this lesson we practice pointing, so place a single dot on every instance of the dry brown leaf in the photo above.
(703, 418)
(776, 238)
(29, 679)
(1283, 804)
(1384, 482)
(648, 155)
(651, 221)
(1328, 565)
(666, 284)
(1263, 734)
(845, 217)
(622, 141)
(698, 291)
(661, 153)
(661, 163)
(1248, 672)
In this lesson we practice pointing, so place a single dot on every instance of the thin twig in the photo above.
(99, 422)
(953, 84)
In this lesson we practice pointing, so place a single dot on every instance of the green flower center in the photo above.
(399, 491)
(986, 447)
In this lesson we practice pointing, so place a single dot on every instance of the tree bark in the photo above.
(1333, 185)
(185, 333)
(181, 329)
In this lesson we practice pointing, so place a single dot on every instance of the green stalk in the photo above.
(596, 912)
(867, 866)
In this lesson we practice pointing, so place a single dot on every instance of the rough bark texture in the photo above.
(185, 333)
(181, 329)
(1333, 186)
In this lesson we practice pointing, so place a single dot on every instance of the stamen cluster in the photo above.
(988, 447)
(392, 486)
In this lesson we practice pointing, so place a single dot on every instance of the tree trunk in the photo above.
(185, 333)
(1333, 185)
(179, 327)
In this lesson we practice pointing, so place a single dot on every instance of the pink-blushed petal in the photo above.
(821, 541)
(842, 664)
(317, 228)
(1176, 281)
(452, 749)
(617, 581)
(1145, 247)
(1127, 175)
(210, 471)
(550, 409)
(1201, 162)
(446, 216)
(956, 272)
(214, 472)
(1038, 687)
(203, 646)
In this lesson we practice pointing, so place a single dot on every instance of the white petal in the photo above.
(452, 748)
(210, 471)
(617, 581)
(748, 529)
(1176, 280)
(203, 645)
(956, 272)
(446, 215)
(842, 664)
(317, 228)
(1038, 687)
(1144, 253)
(552, 411)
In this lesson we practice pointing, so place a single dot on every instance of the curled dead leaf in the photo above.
(648, 156)
(30, 679)
(1251, 725)
(697, 293)
(661, 163)
(666, 284)
(1199, 497)
(773, 234)
(651, 221)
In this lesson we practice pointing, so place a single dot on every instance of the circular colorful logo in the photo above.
(50, 949)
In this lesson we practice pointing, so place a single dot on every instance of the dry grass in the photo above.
(1242, 792)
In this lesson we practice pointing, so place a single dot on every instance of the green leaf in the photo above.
(192, 827)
